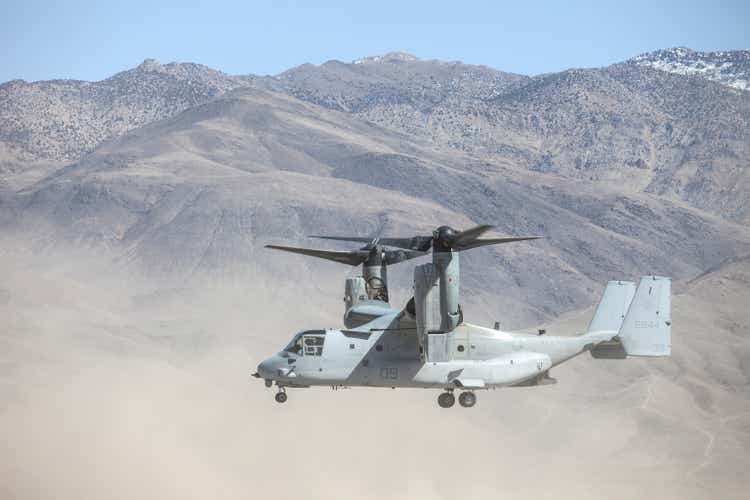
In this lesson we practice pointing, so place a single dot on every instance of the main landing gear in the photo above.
(446, 400)
(467, 399)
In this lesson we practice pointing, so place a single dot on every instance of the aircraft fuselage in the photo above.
(381, 354)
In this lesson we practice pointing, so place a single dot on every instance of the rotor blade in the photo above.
(396, 256)
(420, 243)
(353, 258)
(356, 239)
(492, 241)
(465, 237)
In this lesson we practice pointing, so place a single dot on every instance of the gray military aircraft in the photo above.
(427, 344)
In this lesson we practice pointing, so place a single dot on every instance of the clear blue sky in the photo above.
(92, 40)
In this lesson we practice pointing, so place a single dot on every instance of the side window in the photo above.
(313, 344)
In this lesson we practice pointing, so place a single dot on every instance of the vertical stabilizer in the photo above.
(613, 306)
(647, 328)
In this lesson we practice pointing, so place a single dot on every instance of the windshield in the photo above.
(308, 343)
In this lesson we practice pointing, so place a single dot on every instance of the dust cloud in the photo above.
(112, 386)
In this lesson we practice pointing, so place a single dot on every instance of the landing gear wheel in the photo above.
(446, 400)
(280, 397)
(467, 399)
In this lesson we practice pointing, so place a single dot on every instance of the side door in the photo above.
(356, 359)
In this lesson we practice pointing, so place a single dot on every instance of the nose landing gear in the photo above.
(280, 396)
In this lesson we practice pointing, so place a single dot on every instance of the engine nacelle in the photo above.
(448, 271)
(427, 309)
(365, 311)
(355, 291)
(376, 281)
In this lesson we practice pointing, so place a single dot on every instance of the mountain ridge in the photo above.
(75, 117)
(624, 170)
(204, 190)
(728, 67)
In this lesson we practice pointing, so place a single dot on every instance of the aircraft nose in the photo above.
(266, 369)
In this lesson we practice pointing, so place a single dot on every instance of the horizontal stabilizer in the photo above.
(647, 328)
(611, 349)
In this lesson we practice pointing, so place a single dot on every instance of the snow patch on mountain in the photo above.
(389, 57)
(730, 68)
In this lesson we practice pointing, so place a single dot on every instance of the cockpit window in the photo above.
(309, 343)
(313, 345)
(295, 346)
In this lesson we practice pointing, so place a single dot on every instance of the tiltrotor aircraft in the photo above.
(427, 343)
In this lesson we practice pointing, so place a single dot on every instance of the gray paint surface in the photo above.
(385, 351)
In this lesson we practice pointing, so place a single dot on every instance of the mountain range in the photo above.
(136, 295)
(185, 170)
(731, 67)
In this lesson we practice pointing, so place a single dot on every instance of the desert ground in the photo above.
(114, 387)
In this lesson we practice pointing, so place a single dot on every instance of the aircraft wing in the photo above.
(354, 258)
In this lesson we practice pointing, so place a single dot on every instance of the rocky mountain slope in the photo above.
(623, 170)
(201, 192)
(676, 135)
(731, 68)
(684, 137)
(64, 119)
(391, 79)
